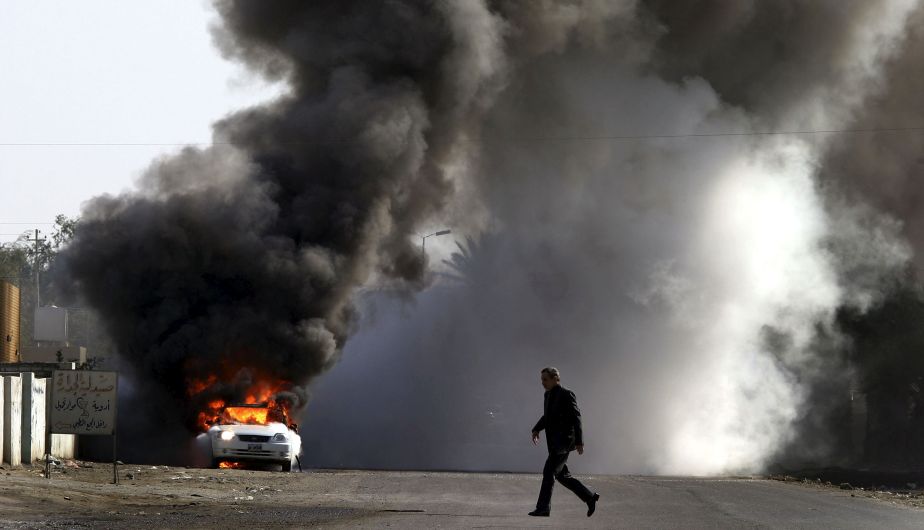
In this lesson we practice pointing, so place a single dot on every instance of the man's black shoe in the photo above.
(592, 504)
(539, 513)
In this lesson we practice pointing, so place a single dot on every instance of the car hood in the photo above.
(258, 430)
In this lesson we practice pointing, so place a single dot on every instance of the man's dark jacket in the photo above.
(561, 420)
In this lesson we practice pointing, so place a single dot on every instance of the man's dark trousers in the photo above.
(556, 467)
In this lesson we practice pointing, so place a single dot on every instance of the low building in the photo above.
(50, 353)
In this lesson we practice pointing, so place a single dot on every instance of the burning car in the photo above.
(253, 433)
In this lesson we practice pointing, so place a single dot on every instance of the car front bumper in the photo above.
(235, 449)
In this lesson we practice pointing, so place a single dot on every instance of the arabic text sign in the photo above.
(83, 402)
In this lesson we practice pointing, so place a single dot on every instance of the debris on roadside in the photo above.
(883, 485)
(785, 478)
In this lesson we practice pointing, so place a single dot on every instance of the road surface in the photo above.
(169, 497)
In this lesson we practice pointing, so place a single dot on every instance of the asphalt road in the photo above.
(162, 497)
(501, 501)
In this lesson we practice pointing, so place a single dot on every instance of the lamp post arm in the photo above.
(423, 239)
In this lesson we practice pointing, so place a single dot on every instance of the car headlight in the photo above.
(226, 435)
(280, 437)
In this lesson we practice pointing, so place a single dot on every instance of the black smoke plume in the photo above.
(237, 263)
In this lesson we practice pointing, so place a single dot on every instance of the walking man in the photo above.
(561, 420)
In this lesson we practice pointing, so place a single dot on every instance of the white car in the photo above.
(272, 442)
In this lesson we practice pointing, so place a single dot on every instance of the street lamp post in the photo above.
(423, 240)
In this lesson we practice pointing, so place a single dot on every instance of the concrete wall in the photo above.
(22, 422)
(64, 445)
(12, 420)
(33, 418)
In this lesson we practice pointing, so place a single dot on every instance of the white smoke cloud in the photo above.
(757, 262)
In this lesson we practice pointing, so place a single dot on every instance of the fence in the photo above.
(22, 424)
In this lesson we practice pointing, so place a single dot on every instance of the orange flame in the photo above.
(212, 412)
(255, 415)
(196, 386)
(230, 465)
(261, 391)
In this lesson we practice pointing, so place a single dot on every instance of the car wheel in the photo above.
(287, 466)
(215, 463)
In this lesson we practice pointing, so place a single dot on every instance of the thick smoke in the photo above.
(239, 261)
(689, 288)
(694, 290)
(881, 170)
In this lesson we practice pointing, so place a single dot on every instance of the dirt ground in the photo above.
(81, 495)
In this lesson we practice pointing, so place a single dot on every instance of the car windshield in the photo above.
(245, 415)
(250, 415)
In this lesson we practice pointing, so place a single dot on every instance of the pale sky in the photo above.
(102, 72)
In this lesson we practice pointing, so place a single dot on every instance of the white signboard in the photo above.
(83, 402)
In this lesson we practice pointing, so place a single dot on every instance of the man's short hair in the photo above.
(552, 371)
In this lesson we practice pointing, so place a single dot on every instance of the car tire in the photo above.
(215, 463)
(287, 466)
